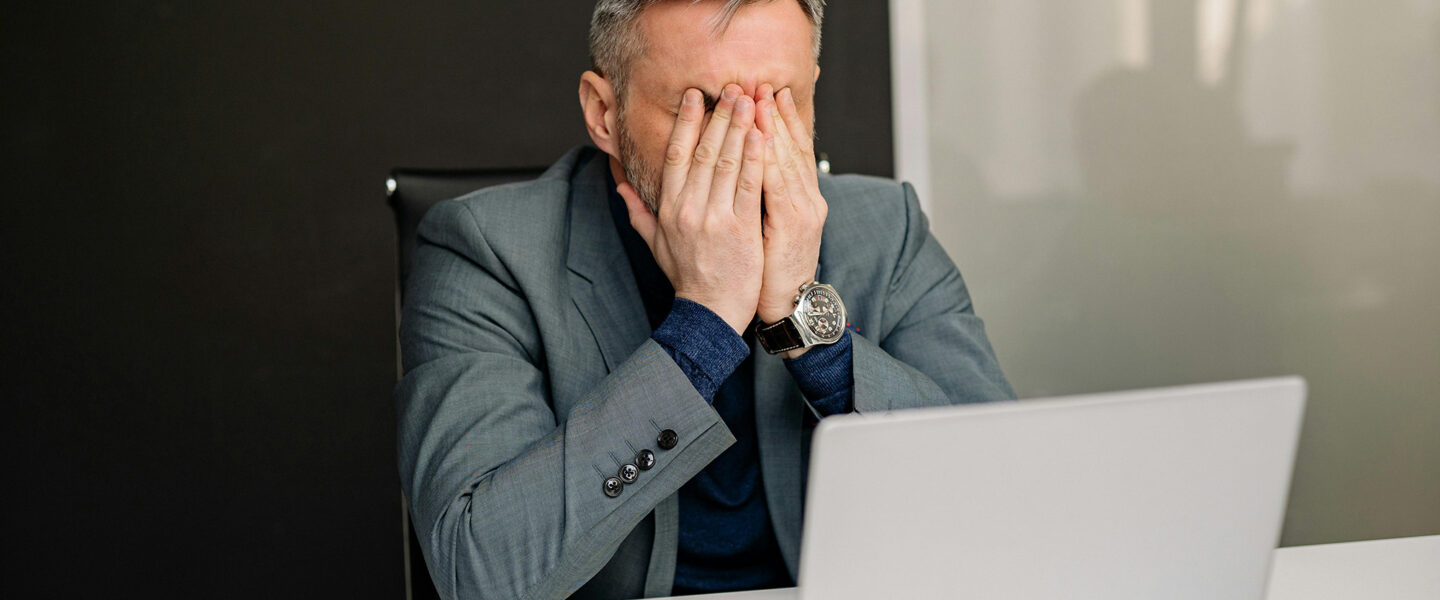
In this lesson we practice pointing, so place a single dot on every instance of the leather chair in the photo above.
(411, 193)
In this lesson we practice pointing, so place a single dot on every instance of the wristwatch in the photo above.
(819, 318)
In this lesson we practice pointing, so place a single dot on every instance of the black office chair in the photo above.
(411, 193)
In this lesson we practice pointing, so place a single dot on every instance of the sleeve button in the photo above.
(645, 459)
(613, 487)
(629, 473)
(668, 439)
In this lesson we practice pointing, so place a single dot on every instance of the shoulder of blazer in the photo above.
(527, 217)
(867, 212)
(863, 202)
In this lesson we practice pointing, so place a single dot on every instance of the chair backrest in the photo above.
(412, 192)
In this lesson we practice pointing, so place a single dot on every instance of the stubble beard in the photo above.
(642, 173)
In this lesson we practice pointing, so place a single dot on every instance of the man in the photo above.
(590, 403)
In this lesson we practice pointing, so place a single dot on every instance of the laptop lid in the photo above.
(1167, 493)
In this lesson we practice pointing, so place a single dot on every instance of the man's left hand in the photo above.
(794, 209)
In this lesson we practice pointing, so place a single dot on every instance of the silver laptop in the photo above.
(1173, 493)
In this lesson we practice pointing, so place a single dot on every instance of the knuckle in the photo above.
(689, 220)
(705, 153)
(748, 185)
(674, 155)
(727, 163)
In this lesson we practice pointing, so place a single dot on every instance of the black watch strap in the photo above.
(779, 336)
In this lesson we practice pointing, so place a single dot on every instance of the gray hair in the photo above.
(615, 40)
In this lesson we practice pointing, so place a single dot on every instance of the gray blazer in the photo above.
(530, 377)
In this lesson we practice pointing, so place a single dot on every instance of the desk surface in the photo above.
(1398, 569)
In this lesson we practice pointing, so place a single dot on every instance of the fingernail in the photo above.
(692, 96)
(743, 102)
(729, 93)
(785, 94)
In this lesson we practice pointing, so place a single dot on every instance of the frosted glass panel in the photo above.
(1154, 192)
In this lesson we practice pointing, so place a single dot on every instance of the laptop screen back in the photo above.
(1172, 493)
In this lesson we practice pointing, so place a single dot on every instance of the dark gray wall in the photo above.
(198, 351)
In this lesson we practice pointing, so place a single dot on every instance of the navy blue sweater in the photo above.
(726, 541)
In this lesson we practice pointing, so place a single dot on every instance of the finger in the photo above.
(708, 150)
(778, 204)
(763, 94)
(727, 166)
(783, 140)
(764, 115)
(788, 158)
(804, 140)
(752, 177)
(682, 145)
(764, 91)
(640, 216)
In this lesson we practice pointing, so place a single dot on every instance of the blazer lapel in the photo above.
(602, 285)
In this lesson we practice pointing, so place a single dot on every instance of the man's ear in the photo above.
(817, 74)
(602, 111)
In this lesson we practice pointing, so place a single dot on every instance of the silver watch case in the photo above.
(819, 314)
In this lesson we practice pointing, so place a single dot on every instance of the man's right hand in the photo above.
(706, 236)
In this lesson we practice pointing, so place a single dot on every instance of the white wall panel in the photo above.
(1153, 192)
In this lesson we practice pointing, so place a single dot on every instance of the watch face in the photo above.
(822, 313)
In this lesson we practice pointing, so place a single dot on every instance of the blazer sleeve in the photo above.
(930, 348)
(507, 496)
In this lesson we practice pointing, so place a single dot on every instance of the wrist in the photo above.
(731, 316)
(770, 315)
(701, 344)
(779, 302)
(816, 317)
(783, 305)
(796, 353)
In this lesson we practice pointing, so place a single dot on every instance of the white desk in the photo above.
(1398, 569)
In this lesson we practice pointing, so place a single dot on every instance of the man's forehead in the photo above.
(763, 43)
